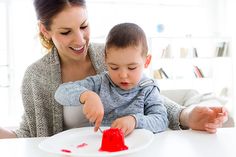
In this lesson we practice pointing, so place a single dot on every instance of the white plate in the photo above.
(70, 139)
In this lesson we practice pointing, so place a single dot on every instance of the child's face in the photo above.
(126, 65)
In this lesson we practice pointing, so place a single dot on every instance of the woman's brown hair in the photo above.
(46, 10)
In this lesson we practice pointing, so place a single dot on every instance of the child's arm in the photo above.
(154, 117)
(93, 108)
(67, 94)
(155, 114)
(79, 93)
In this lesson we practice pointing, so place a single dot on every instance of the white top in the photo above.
(73, 117)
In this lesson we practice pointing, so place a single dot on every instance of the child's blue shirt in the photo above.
(143, 101)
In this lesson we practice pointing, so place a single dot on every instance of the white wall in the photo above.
(230, 29)
(197, 17)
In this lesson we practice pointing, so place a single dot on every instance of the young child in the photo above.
(123, 97)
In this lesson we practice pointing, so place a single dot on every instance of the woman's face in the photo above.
(70, 33)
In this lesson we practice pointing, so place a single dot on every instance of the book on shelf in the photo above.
(188, 52)
(160, 74)
(163, 73)
(197, 72)
(166, 52)
(222, 49)
(157, 74)
(195, 52)
(184, 52)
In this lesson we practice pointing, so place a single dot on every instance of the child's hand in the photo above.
(93, 108)
(126, 124)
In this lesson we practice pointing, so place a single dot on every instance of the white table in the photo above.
(186, 143)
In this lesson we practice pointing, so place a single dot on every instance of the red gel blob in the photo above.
(66, 150)
(113, 140)
(81, 145)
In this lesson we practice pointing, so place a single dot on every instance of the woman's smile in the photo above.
(78, 50)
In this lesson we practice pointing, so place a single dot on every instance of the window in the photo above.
(4, 62)
(18, 49)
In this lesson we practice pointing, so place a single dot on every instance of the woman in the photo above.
(64, 30)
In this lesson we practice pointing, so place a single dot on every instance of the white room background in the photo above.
(20, 45)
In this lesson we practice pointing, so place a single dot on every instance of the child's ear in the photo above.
(44, 31)
(148, 60)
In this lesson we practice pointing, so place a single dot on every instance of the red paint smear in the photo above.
(113, 140)
(66, 150)
(81, 145)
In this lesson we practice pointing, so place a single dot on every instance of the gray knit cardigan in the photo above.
(43, 116)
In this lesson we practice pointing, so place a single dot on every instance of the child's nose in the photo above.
(123, 74)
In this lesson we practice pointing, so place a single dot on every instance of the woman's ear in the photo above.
(148, 60)
(44, 31)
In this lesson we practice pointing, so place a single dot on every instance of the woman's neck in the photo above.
(73, 71)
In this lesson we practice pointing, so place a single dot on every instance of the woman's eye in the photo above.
(83, 27)
(65, 33)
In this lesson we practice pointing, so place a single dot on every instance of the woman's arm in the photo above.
(195, 117)
(174, 111)
(203, 118)
(5, 133)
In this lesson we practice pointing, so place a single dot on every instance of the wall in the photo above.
(179, 17)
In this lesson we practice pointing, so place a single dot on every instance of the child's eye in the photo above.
(114, 68)
(132, 68)
(65, 33)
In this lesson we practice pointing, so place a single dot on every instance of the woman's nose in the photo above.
(79, 37)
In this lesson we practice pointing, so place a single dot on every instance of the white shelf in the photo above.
(217, 71)
(184, 47)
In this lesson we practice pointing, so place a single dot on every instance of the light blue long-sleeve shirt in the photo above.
(143, 101)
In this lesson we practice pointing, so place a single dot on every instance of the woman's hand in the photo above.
(204, 118)
(4, 133)
(93, 108)
(126, 124)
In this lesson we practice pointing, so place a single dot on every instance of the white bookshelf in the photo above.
(218, 72)
(180, 61)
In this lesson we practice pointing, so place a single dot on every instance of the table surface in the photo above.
(184, 143)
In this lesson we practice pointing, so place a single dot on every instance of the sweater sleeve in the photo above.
(68, 94)
(173, 112)
(28, 124)
(155, 114)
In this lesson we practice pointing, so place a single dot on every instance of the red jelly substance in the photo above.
(81, 145)
(66, 150)
(113, 140)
